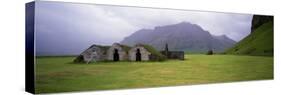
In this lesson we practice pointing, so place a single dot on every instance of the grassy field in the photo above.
(59, 74)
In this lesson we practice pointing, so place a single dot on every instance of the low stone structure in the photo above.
(93, 53)
(139, 53)
(173, 54)
(119, 52)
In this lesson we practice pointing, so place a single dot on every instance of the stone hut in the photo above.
(118, 52)
(139, 53)
(173, 54)
(93, 53)
(142, 52)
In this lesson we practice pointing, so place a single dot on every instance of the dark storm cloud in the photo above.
(69, 28)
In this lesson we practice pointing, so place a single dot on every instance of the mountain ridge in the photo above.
(183, 36)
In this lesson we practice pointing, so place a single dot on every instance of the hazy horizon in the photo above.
(70, 28)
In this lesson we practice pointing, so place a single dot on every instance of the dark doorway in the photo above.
(115, 55)
(138, 55)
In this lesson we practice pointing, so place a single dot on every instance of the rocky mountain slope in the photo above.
(183, 36)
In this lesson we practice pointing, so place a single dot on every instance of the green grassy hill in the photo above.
(259, 42)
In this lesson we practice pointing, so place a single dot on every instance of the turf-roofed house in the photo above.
(120, 52)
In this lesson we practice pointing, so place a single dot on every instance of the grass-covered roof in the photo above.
(153, 51)
(101, 47)
(125, 47)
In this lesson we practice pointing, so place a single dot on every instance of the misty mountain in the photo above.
(183, 36)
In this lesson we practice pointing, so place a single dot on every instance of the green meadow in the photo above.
(59, 74)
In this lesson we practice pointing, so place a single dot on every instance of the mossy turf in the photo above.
(59, 74)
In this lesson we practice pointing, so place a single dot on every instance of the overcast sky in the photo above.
(77, 26)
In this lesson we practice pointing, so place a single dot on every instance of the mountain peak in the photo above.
(144, 30)
(184, 22)
(182, 36)
(223, 36)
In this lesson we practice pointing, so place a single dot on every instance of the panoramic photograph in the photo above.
(92, 47)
